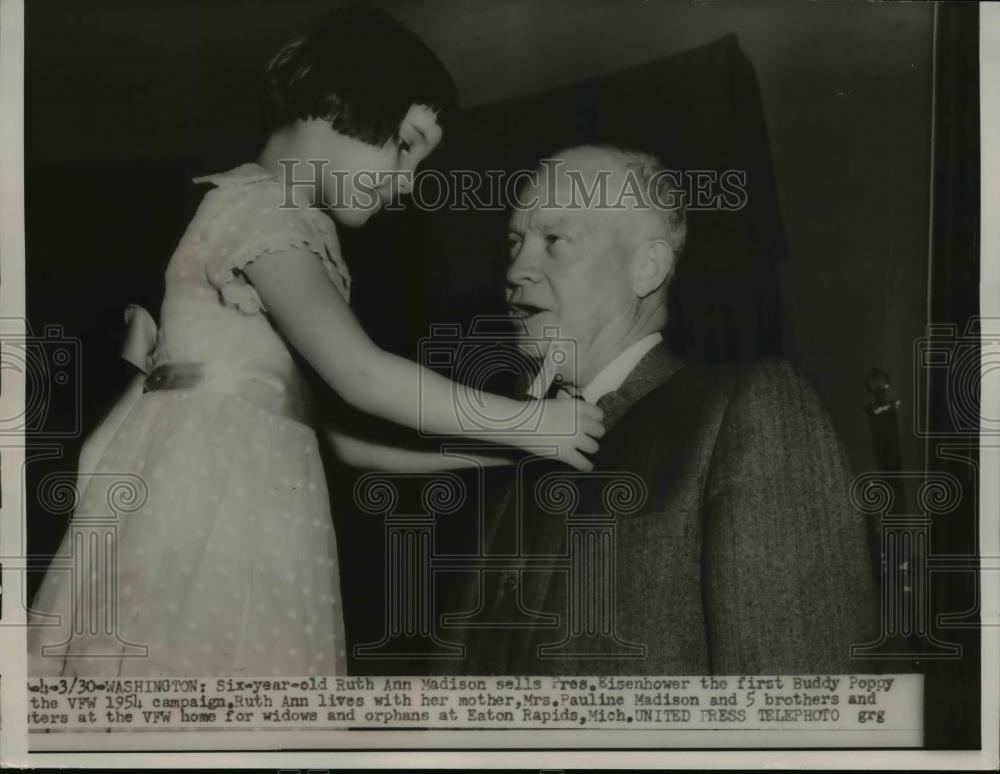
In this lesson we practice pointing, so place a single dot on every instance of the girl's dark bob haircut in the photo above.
(361, 70)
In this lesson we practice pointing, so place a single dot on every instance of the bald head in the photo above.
(622, 182)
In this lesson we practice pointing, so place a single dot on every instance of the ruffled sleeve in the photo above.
(248, 221)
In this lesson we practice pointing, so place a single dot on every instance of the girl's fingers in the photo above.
(593, 429)
(579, 462)
(592, 411)
(587, 444)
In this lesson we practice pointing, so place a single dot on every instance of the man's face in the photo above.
(569, 268)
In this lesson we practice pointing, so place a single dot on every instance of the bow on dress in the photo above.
(140, 337)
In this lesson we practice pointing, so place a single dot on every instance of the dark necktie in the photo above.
(558, 390)
(614, 405)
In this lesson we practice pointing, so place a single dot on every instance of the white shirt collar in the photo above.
(613, 375)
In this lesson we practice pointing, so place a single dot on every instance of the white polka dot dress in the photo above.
(229, 565)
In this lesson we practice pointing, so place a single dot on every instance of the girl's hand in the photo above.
(573, 426)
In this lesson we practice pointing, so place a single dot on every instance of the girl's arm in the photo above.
(379, 456)
(309, 311)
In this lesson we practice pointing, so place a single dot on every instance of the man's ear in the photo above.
(653, 265)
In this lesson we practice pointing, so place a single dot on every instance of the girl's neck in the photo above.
(282, 147)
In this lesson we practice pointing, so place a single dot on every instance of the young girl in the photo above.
(229, 566)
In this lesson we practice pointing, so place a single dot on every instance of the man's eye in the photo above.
(513, 244)
(553, 239)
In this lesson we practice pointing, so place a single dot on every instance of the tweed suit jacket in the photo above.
(746, 557)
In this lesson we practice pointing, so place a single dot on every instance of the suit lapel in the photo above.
(654, 369)
(546, 535)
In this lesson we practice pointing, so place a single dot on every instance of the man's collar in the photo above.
(636, 372)
(614, 374)
(653, 370)
(608, 378)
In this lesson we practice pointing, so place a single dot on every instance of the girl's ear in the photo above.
(653, 265)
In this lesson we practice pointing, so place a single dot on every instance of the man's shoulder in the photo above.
(766, 377)
(732, 416)
(772, 388)
(770, 405)
(756, 380)
(761, 395)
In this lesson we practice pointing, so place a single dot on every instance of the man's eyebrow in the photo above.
(563, 222)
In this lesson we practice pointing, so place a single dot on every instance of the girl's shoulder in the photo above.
(238, 177)
(250, 201)
(248, 213)
(248, 192)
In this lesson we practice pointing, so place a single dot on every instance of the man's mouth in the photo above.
(524, 311)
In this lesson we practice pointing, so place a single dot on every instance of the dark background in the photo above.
(830, 104)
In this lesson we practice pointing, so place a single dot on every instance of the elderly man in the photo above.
(746, 556)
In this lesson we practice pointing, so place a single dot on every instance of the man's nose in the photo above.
(523, 267)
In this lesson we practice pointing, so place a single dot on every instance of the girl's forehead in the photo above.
(424, 119)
